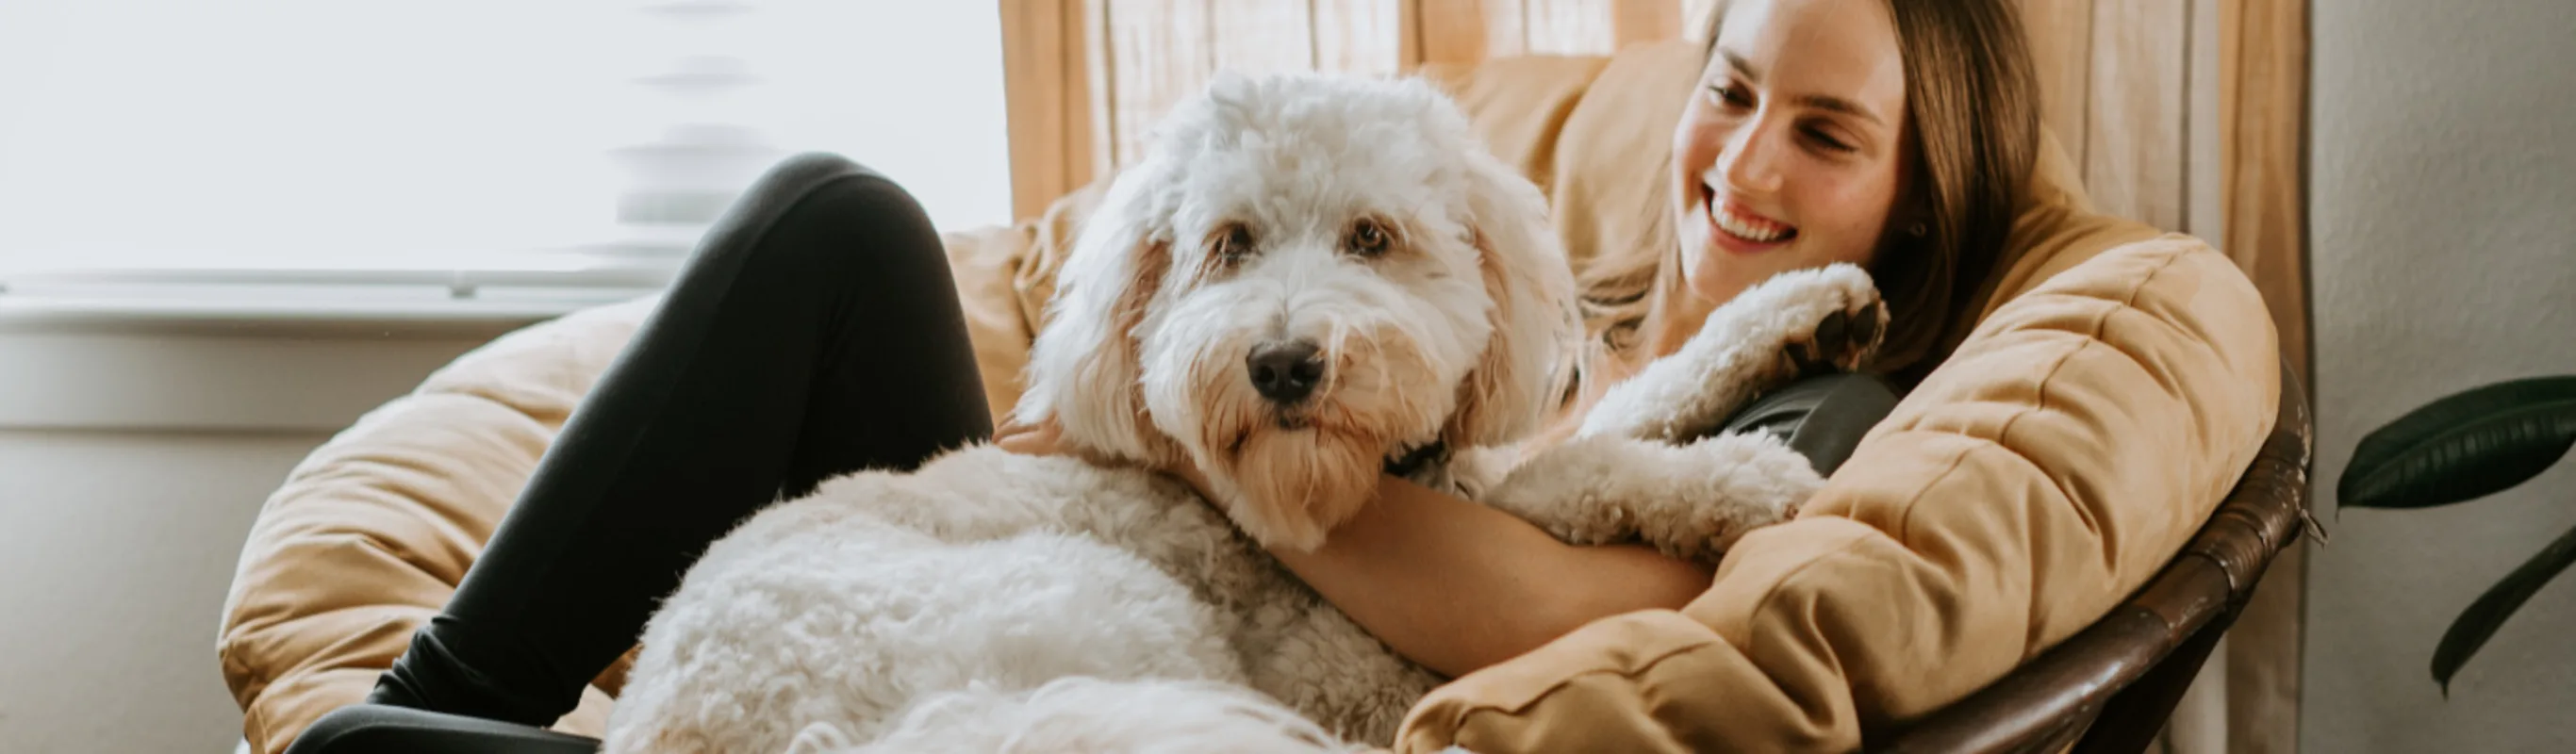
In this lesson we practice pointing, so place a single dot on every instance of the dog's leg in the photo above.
(1469, 472)
(1690, 501)
(1796, 323)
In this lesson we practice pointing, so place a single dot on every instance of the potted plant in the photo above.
(2463, 447)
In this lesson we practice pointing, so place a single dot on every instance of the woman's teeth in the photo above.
(1752, 229)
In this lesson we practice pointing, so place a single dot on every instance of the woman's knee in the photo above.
(823, 214)
(1822, 417)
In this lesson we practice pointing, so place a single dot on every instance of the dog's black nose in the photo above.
(1285, 372)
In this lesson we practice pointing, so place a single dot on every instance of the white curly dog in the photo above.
(1308, 281)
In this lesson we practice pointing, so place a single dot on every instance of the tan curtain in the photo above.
(2192, 116)
(2186, 114)
(1086, 78)
(2263, 122)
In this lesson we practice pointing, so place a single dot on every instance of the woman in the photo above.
(1891, 133)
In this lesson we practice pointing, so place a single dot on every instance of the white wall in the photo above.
(132, 463)
(115, 550)
(2444, 214)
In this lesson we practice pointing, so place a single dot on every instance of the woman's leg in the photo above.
(816, 332)
(1822, 417)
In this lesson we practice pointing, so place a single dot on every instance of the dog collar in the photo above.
(1413, 460)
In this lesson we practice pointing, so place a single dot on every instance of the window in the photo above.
(334, 139)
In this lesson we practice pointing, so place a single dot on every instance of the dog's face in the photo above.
(1306, 276)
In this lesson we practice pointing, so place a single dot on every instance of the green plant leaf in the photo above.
(2471, 630)
(2463, 447)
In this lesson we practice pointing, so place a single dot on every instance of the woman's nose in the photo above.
(1748, 162)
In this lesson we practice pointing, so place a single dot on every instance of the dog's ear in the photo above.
(1536, 322)
(1083, 370)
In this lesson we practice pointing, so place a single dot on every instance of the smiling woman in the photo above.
(312, 135)
(1801, 149)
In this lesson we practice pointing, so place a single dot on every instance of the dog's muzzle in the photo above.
(1285, 372)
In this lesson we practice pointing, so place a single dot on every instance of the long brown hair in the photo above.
(1973, 97)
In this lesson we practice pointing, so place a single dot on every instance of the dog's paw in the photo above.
(1811, 321)
(1689, 501)
(1842, 342)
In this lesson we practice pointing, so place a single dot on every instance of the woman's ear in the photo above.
(1083, 371)
(1537, 325)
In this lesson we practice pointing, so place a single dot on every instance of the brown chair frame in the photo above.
(2111, 687)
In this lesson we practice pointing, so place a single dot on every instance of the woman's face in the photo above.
(1791, 152)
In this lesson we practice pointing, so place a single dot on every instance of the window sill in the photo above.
(464, 296)
(164, 351)
(296, 319)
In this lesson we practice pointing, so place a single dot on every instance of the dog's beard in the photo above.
(1292, 487)
(1290, 475)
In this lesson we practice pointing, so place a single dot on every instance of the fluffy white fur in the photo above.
(997, 602)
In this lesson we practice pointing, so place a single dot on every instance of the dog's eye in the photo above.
(1369, 239)
(1231, 243)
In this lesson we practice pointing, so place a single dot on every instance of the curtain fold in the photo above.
(2263, 109)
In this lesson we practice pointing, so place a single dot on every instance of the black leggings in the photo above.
(816, 332)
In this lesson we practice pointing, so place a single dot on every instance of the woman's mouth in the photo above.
(1747, 230)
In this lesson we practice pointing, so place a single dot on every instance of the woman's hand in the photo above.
(1030, 440)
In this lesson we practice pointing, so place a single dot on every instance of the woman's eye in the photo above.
(1731, 95)
(1368, 239)
(1827, 140)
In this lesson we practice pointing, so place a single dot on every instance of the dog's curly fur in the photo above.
(996, 602)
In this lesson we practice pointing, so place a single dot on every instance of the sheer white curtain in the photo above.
(326, 139)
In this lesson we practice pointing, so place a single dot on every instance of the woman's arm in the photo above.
(1457, 586)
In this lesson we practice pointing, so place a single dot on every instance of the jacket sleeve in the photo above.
(2046, 470)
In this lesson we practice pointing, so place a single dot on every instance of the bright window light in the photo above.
(329, 133)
